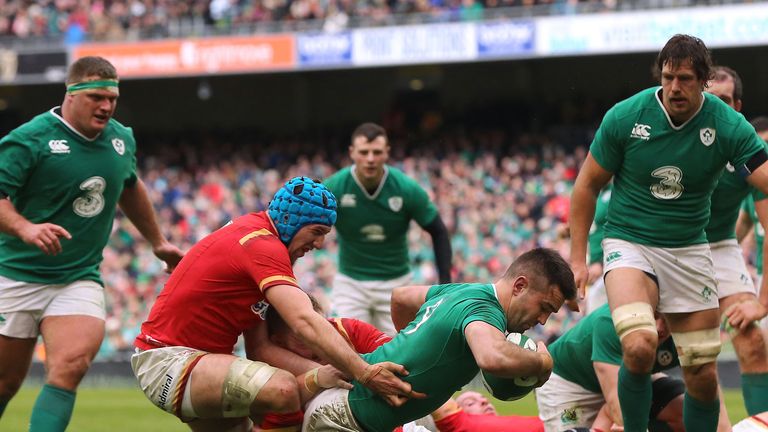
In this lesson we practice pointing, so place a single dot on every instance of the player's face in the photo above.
(475, 403)
(533, 306)
(90, 111)
(309, 237)
(724, 90)
(681, 91)
(369, 157)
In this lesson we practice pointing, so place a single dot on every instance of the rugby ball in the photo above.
(509, 389)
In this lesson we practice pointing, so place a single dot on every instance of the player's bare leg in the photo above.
(15, 358)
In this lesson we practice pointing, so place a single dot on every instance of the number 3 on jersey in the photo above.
(670, 187)
(92, 202)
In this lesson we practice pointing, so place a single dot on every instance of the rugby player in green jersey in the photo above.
(739, 303)
(447, 334)
(62, 174)
(377, 203)
(665, 149)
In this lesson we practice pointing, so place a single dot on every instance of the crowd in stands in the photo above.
(113, 20)
(497, 202)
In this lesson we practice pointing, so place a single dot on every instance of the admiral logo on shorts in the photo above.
(641, 131)
(613, 256)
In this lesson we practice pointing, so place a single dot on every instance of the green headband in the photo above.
(107, 84)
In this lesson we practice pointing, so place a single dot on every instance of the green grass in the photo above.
(126, 409)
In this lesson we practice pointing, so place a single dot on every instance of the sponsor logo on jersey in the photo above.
(707, 293)
(373, 232)
(119, 146)
(58, 146)
(707, 136)
(260, 309)
(348, 200)
(664, 357)
(395, 203)
(641, 131)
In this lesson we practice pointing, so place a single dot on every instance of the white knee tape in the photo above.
(633, 317)
(697, 347)
(242, 384)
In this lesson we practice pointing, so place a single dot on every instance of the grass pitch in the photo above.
(118, 409)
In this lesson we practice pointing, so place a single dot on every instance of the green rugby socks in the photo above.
(754, 386)
(700, 416)
(52, 410)
(635, 393)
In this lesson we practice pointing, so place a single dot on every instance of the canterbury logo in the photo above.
(58, 146)
(640, 131)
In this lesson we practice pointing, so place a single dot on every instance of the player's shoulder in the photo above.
(399, 179)
(38, 126)
(628, 108)
(338, 177)
(123, 131)
(721, 112)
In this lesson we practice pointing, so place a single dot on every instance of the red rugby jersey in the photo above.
(217, 290)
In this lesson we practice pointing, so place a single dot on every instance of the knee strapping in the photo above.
(697, 347)
(633, 317)
(241, 386)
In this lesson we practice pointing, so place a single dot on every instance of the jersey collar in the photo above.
(70, 127)
(666, 114)
(362, 188)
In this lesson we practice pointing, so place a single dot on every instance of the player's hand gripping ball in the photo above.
(509, 389)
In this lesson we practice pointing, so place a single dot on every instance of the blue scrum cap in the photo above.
(301, 201)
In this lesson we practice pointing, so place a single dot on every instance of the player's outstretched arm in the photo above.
(743, 226)
(44, 236)
(318, 334)
(495, 355)
(405, 304)
(135, 203)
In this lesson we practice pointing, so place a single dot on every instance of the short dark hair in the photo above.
(543, 262)
(681, 48)
(722, 73)
(90, 66)
(760, 123)
(370, 131)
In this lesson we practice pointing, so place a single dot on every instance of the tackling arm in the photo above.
(441, 243)
(318, 334)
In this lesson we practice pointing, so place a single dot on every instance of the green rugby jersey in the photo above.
(749, 207)
(598, 225)
(664, 175)
(54, 174)
(435, 352)
(372, 228)
(594, 339)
